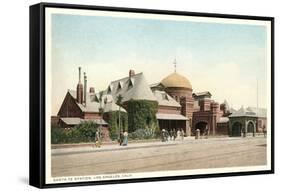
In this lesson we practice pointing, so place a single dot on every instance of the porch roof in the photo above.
(77, 120)
(167, 116)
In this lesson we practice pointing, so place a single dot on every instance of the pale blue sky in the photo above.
(214, 57)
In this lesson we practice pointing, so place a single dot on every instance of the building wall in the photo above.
(244, 121)
(184, 97)
(54, 121)
(209, 113)
(169, 110)
(262, 121)
(222, 129)
(91, 115)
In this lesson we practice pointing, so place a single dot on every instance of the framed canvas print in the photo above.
(122, 95)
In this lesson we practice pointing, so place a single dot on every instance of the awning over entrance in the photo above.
(166, 116)
(76, 121)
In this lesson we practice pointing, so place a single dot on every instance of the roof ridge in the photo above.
(125, 78)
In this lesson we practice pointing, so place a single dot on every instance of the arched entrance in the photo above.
(202, 126)
(236, 129)
(250, 127)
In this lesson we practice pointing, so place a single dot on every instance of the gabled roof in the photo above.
(261, 112)
(250, 112)
(134, 87)
(164, 99)
(108, 104)
(205, 94)
(91, 104)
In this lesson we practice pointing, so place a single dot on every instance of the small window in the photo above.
(131, 83)
(109, 89)
(119, 86)
(165, 96)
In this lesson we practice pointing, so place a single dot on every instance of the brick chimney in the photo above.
(79, 89)
(92, 90)
(131, 73)
(85, 89)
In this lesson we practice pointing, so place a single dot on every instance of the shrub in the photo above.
(146, 133)
(84, 132)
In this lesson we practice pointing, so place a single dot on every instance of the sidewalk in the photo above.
(115, 147)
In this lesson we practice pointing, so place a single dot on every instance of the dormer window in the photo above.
(165, 97)
(105, 100)
(96, 98)
(131, 83)
(119, 86)
(109, 89)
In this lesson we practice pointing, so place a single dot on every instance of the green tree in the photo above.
(112, 117)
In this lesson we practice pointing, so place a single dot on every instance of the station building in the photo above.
(178, 106)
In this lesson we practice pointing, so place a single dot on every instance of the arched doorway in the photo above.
(250, 127)
(236, 129)
(202, 126)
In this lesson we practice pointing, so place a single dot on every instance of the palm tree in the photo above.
(119, 101)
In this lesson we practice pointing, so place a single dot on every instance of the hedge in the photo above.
(84, 132)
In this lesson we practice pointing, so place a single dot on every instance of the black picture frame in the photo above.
(37, 98)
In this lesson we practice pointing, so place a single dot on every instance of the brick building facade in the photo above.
(178, 106)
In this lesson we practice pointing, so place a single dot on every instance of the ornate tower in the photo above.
(179, 87)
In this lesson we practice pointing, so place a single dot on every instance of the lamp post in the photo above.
(119, 101)
(100, 110)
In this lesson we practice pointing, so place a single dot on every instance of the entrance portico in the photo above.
(172, 122)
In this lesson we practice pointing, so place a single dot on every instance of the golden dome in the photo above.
(176, 80)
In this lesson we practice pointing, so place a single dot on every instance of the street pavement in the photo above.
(159, 156)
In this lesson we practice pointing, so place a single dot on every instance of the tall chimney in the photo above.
(79, 89)
(131, 73)
(79, 68)
(85, 88)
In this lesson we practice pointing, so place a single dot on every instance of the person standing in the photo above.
(166, 135)
(97, 139)
(121, 138)
(178, 135)
(174, 134)
(171, 135)
(163, 135)
(244, 132)
(182, 134)
(264, 131)
(125, 138)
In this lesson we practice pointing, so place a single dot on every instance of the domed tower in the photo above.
(179, 87)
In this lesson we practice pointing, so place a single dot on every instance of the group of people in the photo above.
(123, 141)
(172, 135)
